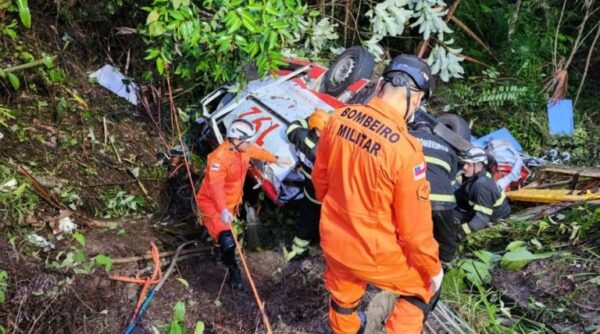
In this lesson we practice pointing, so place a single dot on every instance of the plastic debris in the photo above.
(111, 79)
(66, 225)
(560, 118)
(40, 241)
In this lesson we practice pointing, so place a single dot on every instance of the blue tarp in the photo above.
(560, 117)
(498, 134)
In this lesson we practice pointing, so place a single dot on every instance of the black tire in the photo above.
(353, 64)
(456, 124)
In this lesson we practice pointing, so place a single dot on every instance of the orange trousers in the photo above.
(348, 286)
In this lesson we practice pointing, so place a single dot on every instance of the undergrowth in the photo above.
(563, 244)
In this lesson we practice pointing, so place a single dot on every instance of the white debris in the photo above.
(66, 225)
(9, 185)
(111, 79)
(40, 241)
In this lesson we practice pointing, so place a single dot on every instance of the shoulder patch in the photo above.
(423, 191)
(419, 171)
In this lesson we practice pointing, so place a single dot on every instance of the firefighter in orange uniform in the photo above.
(221, 191)
(376, 223)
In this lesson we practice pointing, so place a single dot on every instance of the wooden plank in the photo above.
(583, 172)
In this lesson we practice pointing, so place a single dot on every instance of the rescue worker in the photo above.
(442, 166)
(304, 135)
(376, 223)
(221, 191)
(480, 200)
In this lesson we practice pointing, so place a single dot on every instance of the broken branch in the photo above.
(148, 256)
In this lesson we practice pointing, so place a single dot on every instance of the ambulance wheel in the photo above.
(353, 64)
(456, 124)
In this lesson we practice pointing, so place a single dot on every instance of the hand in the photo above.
(436, 281)
(284, 161)
(226, 216)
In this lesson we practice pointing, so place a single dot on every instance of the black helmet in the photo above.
(414, 67)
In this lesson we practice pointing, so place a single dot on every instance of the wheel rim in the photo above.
(342, 70)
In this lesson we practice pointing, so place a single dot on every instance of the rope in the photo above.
(145, 282)
(259, 302)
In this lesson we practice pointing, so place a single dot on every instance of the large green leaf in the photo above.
(105, 261)
(476, 272)
(179, 311)
(176, 328)
(487, 257)
(152, 17)
(24, 13)
(520, 257)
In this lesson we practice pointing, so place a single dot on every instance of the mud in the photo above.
(556, 291)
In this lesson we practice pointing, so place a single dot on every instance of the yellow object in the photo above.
(550, 195)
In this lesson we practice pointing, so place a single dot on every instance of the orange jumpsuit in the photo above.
(223, 183)
(376, 223)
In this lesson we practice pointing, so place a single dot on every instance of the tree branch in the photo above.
(588, 4)
(587, 65)
(513, 20)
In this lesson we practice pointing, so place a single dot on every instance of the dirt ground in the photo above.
(555, 291)
(51, 302)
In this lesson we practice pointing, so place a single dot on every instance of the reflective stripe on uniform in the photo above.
(466, 228)
(500, 200)
(485, 210)
(294, 126)
(309, 143)
(310, 197)
(306, 174)
(291, 128)
(439, 162)
(442, 198)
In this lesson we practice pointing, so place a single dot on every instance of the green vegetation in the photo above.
(227, 36)
(118, 203)
(17, 199)
(475, 289)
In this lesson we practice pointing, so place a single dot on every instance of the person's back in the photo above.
(375, 219)
(370, 153)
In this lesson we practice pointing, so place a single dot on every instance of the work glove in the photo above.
(226, 216)
(283, 161)
(436, 281)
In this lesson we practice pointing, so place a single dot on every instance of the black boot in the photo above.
(235, 277)
(227, 246)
